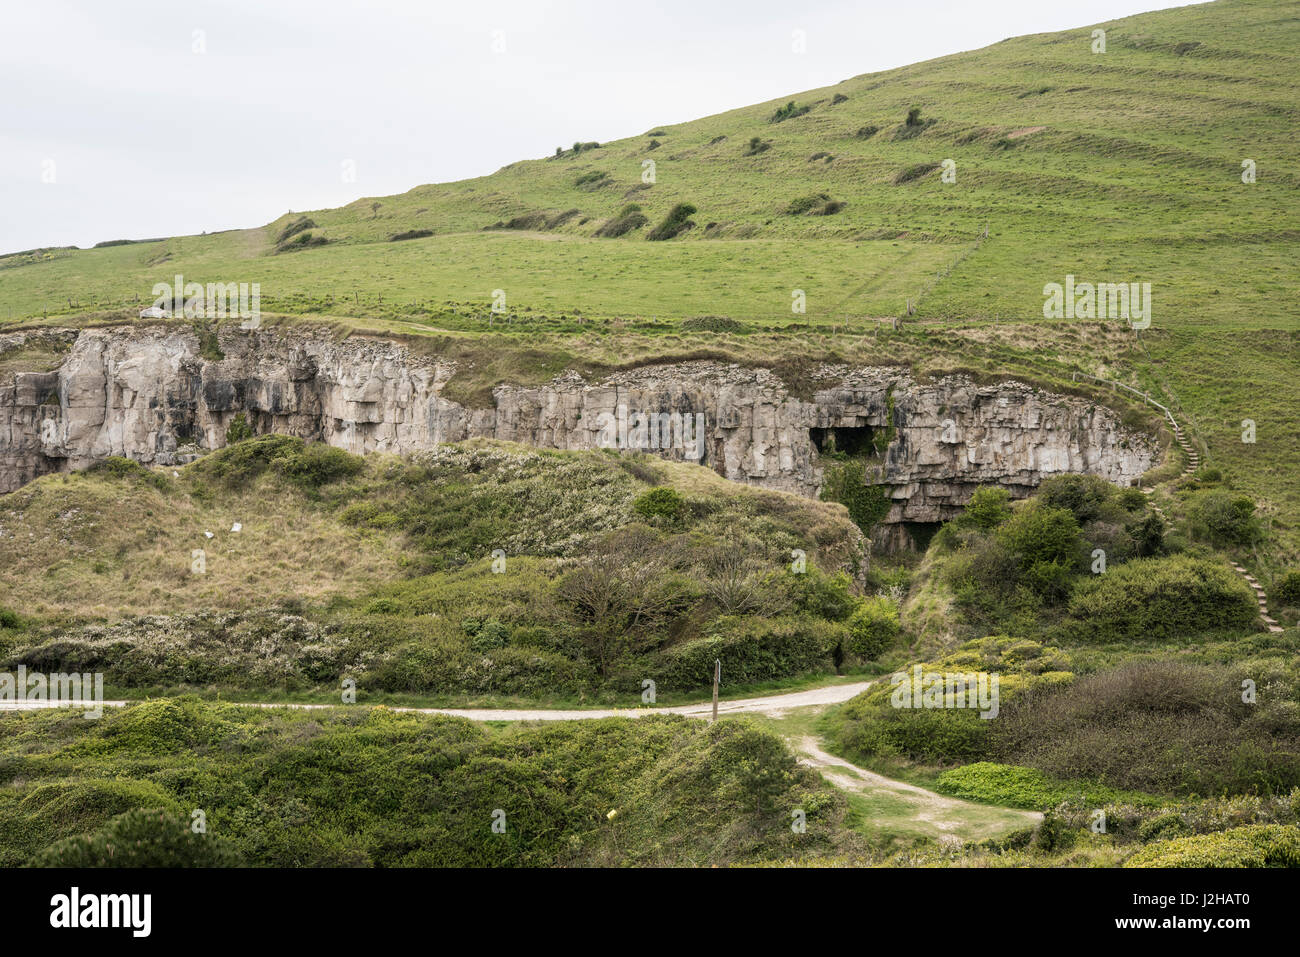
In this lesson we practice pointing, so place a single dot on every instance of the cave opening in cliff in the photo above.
(849, 440)
(920, 533)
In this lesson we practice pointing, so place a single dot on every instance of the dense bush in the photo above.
(816, 204)
(844, 482)
(1287, 589)
(629, 218)
(676, 222)
(1261, 845)
(873, 628)
(871, 726)
(117, 467)
(141, 838)
(308, 465)
(989, 507)
(751, 650)
(1011, 786)
(1175, 597)
(789, 111)
(1160, 727)
(239, 429)
(662, 506)
(356, 786)
(1084, 496)
(293, 228)
(914, 172)
(1223, 519)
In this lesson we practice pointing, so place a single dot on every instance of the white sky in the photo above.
(145, 137)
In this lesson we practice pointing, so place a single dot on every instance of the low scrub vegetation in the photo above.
(615, 577)
(789, 111)
(629, 218)
(282, 789)
(674, 224)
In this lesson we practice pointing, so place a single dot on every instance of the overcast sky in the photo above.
(139, 118)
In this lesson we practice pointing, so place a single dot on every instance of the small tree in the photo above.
(239, 430)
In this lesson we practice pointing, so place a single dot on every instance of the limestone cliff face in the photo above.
(149, 394)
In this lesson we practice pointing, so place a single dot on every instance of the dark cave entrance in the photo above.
(920, 533)
(851, 441)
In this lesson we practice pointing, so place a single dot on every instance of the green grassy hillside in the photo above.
(1122, 165)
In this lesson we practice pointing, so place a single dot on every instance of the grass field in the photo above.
(1124, 165)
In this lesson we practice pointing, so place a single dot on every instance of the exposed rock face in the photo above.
(149, 394)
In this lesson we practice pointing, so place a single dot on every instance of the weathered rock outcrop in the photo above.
(151, 395)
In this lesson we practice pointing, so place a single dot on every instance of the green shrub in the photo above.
(1013, 786)
(825, 596)
(239, 429)
(915, 171)
(300, 241)
(1047, 545)
(318, 464)
(141, 838)
(1160, 599)
(873, 628)
(293, 228)
(913, 125)
(844, 482)
(1081, 495)
(1161, 727)
(629, 218)
(1287, 589)
(1223, 519)
(989, 507)
(676, 222)
(309, 465)
(1259, 845)
(817, 204)
(789, 111)
(10, 619)
(117, 467)
(485, 636)
(751, 650)
(662, 506)
(713, 324)
(757, 145)
(410, 234)
(874, 729)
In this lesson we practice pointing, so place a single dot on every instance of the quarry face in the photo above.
(153, 395)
